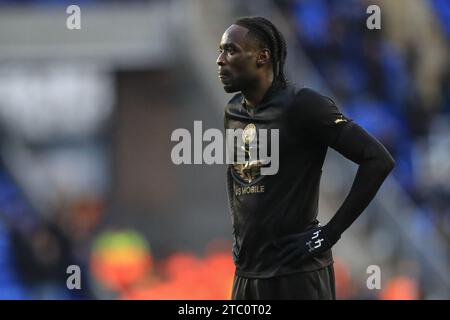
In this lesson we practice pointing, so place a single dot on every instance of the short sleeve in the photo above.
(317, 116)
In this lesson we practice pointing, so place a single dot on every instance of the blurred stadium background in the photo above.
(86, 116)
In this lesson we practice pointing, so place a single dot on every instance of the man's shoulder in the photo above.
(312, 109)
(311, 103)
(311, 97)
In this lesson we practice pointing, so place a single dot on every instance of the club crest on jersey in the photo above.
(250, 168)
(249, 133)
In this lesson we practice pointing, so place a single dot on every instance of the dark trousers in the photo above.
(314, 285)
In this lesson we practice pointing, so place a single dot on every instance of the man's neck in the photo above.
(255, 95)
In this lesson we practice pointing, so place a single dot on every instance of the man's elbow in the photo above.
(386, 164)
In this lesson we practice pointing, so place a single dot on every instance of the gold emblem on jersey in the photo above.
(340, 119)
(249, 133)
(251, 168)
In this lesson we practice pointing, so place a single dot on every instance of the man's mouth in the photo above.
(224, 77)
(223, 74)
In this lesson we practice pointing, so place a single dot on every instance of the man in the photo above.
(280, 250)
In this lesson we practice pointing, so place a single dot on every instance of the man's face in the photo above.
(237, 59)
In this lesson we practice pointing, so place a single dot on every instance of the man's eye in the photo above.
(227, 51)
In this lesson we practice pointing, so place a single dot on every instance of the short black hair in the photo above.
(271, 38)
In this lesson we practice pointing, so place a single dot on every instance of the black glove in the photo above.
(300, 246)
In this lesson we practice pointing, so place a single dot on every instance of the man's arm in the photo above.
(325, 124)
(375, 163)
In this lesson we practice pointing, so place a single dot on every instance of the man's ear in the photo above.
(263, 57)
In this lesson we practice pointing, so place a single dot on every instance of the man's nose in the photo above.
(220, 60)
